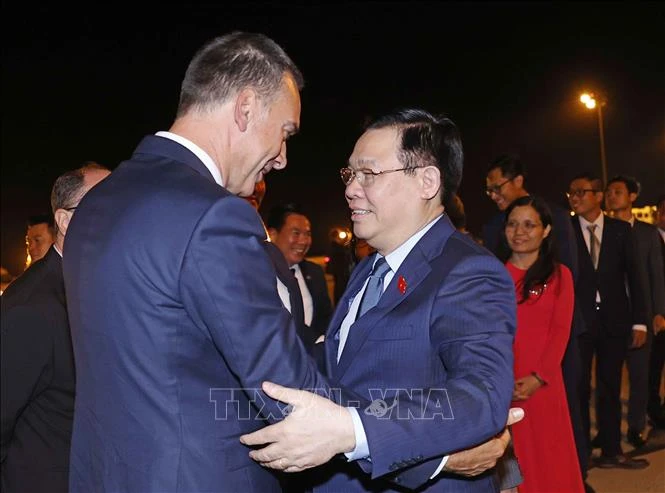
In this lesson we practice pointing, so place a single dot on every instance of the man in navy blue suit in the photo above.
(423, 332)
(177, 319)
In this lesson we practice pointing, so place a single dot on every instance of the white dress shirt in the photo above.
(394, 261)
(198, 152)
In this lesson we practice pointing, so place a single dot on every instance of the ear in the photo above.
(246, 108)
(62, 218)
(546, 231)
(632, 197)
(272, 232)
(430, 182)
(519, 181)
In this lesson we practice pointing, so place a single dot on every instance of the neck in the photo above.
(432, 214)
(592, 215)
(523, 260)
(623, 214)
(60, 242)
(202, 129)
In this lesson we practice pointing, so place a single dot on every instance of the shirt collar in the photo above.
(55, 247)
(395, 258)
(198, 152)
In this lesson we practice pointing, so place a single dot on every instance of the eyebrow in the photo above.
(291, 128)
(364, 162)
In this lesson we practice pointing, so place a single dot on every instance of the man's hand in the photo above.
(639, 338)
(477, 460)
(658, 324)
(315, 430)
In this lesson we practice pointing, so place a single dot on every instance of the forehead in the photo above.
(495, 175)
(286, 105)
(37, 229)
(580, 183)
(618, 186)
(525, 212)
(296, 221)
(375, 145)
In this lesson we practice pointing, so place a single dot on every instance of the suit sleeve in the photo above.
(26, 349)
(656, 273)
(637, 294)
(228, 287)
(559, 327)
(472, 325)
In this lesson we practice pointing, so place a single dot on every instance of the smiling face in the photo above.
(503, 189)
(389, 210)
(294, 238)
(584, 199)
(263, 147)
(524, 230)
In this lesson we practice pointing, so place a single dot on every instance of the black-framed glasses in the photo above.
(364, 176)
(496, 188)
(70, 208)
(579, 193)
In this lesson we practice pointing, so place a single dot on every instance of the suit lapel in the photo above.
(342, 309)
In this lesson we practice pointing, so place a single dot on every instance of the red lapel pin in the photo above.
(401, 284)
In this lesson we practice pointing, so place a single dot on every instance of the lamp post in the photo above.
(590, 101)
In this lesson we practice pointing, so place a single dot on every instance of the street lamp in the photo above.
(591, 101)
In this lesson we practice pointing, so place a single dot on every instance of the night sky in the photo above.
(88, 84)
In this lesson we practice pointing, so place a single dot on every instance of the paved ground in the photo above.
(649, 480)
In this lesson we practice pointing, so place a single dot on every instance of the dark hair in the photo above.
(509, 164)
(278, 214)
(455, 211)
(68, 189)
(596, 182)
(42, 219)
(547, 265)
(426, 140)
(631, 183)
(660, 200)
(227, 64)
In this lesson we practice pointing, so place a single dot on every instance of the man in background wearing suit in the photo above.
(424, 329)
(291, 231)
(656, 405)
(505, 182)
(621, 193)
(38, 380)
(612, 317)
(39, 236)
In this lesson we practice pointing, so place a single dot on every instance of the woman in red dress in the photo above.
(543, 441)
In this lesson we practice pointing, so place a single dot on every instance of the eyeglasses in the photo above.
(496, 188)
(365, 176)
(70, 208)
(528, 226)
(580, 192)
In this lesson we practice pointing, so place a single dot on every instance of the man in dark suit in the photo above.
(290, 230)
(424, 330)
(177, 318)
(656, 404)
(612, 317)
(505, 182)
(38, 380)
(621, 193)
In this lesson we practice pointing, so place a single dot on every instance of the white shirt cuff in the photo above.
(362, 449)
(640, 327)
(441, 466)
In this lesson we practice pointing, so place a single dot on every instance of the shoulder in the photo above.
(617, 225)
(312, 269)
(464, 256)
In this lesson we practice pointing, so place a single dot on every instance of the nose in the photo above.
(353, 190)
(280, 161)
